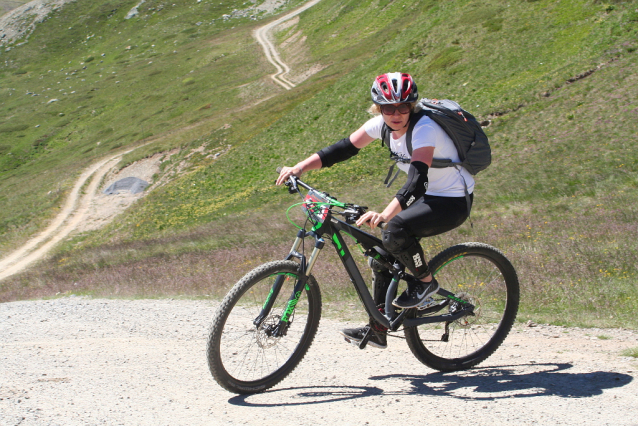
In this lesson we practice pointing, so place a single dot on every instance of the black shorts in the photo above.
(433, 215)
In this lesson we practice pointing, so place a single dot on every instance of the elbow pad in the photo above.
(337, 152)
(416, 185)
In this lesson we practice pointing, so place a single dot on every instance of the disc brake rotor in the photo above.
(264, 335)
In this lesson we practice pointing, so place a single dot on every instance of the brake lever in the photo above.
(292, 184)
(353, 213)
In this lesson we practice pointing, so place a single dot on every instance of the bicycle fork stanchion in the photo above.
(294, 250)
(274, 291)
(319, 244)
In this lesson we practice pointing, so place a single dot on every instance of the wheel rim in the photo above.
(477, 280)
(250, 353)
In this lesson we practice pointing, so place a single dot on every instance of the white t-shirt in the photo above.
(447, 182)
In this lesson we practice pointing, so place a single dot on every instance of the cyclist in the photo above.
(431, 202)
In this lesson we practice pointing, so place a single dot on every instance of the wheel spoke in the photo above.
(480, 275)
(241, 354)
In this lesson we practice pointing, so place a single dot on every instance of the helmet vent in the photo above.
(394, 88)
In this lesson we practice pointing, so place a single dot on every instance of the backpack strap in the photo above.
(387, 180)
(385, 135)
(436, 162)
(414, 118)
(386, 131)
(385, 139)
(467, 194)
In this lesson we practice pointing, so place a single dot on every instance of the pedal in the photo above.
(366, 338)
(353, 343)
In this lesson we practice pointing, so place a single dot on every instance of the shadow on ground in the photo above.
(489, 383)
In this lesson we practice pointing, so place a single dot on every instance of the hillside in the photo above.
(555, 80)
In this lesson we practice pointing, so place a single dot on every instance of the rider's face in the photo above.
(398, 119)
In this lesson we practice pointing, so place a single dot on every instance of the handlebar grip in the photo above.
(279, 170)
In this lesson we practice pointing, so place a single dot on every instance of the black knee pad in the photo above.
(406, 249)
(396, 239)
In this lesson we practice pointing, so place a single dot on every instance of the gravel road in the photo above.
(80, 361)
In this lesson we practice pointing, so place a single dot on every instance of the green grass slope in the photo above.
(556, 80)
(89, 82)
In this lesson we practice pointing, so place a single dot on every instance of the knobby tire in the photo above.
(243, 358)
(482, 275)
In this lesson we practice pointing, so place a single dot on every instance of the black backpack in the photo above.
(465, 131)
(461, 126)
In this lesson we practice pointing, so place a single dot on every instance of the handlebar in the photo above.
(293, 181)
(351, 212)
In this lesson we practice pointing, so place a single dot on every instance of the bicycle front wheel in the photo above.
(245, 357)
(481, 275)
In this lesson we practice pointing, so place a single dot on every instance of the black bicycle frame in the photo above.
(332, 228)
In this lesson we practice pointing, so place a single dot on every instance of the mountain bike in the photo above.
(267, 321)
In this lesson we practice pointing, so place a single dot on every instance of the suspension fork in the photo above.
(305, 271)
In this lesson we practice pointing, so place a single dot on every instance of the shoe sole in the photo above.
(356, 342)
(430, 294)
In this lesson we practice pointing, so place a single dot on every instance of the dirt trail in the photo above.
(262, 35)
(64, 223)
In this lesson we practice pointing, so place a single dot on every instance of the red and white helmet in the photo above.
(393, 88)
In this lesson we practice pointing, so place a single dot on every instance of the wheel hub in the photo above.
(266, 335)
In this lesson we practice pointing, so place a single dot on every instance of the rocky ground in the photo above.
(79, 361)
(20, 21)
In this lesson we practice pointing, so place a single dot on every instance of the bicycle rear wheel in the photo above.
(245, 358)
(481, 275)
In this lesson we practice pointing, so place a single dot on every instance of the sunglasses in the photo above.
(390, 109)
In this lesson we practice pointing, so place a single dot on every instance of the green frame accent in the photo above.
(291, 303)
(338, 244)
(291, 307)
